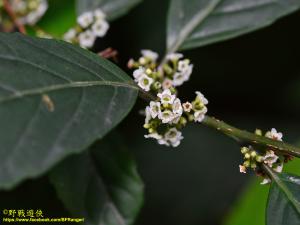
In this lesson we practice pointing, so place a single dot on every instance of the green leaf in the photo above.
(112, 8)
(253, 201)
(55, 99)
(284, 200)
(101, 185)
(200, 22)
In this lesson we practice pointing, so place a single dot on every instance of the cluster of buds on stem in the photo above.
(253, 157)
(27, 12)
(167, 115)
(90, 26)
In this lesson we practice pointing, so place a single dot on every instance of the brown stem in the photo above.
(109, 53)
(13, 16)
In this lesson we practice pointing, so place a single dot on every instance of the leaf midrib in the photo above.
(77, 84)
(192, 24)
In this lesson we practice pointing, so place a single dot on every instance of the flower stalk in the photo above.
(247, 138)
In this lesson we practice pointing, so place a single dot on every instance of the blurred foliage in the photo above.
(60, 16)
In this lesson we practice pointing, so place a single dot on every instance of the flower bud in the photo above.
(146, 125)
(148, 71)
(247, 156)
(157, 85)
(259, 158)
(167, 69)
(151, 130)
(142, 60)
(183, 121)
(258, 132)
(246, 163)
(253, 154)
(244, 150)
(253, 165)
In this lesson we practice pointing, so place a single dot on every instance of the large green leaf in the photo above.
(112, 8)
(55, 100)
(101, 185)
(284, 201)
(196, 23)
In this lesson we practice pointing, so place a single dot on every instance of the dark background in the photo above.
(251, 82)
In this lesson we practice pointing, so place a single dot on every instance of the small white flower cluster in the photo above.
(269, 157)
(166, 116)
(173, 73)
(29, 11)
(90, 26)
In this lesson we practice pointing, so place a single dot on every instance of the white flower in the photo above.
(30, 19)
(99, 14)
(149, 54)
(187, 107)
(176, 119)
(176, 107)
(179, 79)
(201, 97)
(138, 73)
(33, 16)
(100, 28)
(187, 73)
(166, 116)
(200, 115)
(173, 136)
(145, 82)
(148, 115)
(86, 39)
(154, 136)
(163, 142)
(70, 35)
(174, 56)
(43, 6)
(265, 181)
(270, 158)
(273, 134)
(154, 109)
(166, 97)
(85, 19)
(167, 84)
(184, 72)
(183, 65)
(242, 169)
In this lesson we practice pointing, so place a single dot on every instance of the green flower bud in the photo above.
(173, 90)
(247, 156)
(183, 121)
(244, 150)
(246, 163)
(151, 130)
(167, 69)
(148, 71)
(253, 165)
(157, 85)
(190, 117)
(147, 126)
(253, 154)
(258, 132)
(259, 158)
